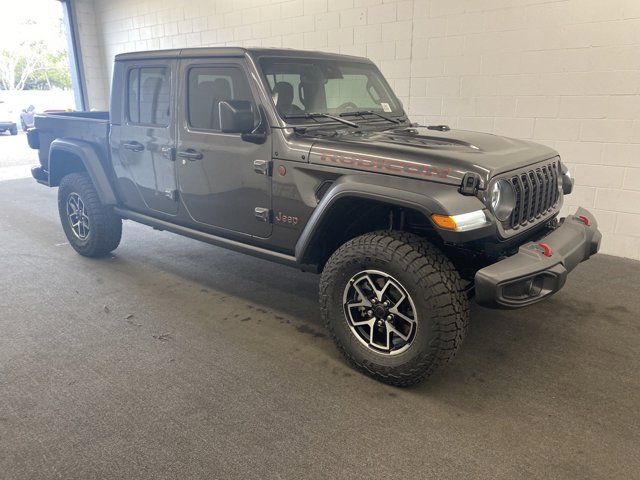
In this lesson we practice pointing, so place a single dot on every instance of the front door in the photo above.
(145, 141)
(220, 182)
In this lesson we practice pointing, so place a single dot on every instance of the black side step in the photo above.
(237, 246)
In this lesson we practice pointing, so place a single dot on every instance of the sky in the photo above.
(45, 13)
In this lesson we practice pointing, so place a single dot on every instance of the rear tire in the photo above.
(13, 130)
(423, 297)
(93, 229)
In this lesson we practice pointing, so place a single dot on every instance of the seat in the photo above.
(149, 100)
(221, 92)
(201, 106)
(283, 96)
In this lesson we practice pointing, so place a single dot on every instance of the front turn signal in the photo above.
(462, 222)
(444, 221)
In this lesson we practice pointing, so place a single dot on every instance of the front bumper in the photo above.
(540, 268)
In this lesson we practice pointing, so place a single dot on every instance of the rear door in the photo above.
(222, 178)
(145, 142)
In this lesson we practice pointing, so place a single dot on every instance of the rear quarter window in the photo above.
(149, 96)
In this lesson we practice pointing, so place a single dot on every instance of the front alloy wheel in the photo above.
(380, 312)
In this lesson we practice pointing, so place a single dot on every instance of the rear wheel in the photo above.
(394, 305)
(92, 228)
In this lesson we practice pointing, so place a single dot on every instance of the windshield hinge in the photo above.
(263, 214)
(470, 183)
(263, 167)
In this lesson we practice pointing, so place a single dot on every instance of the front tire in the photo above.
(93, 230)
(394, 305)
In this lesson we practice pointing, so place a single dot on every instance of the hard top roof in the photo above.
(209, 52)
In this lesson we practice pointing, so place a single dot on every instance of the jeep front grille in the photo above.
(537, 194)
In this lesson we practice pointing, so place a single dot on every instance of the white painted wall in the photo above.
(562, 72)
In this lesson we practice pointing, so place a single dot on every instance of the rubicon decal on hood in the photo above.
(383, 165)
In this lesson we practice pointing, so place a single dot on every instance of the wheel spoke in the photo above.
(384, 346)
(387, 284)
(403, 297)
(396, 313)
(373, 286)
(391, 328)
(364, 301)
(368, 321)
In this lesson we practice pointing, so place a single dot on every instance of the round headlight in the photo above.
(503, 199)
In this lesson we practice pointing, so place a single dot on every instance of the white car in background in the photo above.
(5, 120)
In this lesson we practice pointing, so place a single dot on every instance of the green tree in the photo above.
(30, 64)
(54, 74)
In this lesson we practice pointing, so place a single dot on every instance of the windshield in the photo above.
(302, 86)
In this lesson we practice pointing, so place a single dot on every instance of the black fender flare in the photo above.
(91, 161)
(420, 195)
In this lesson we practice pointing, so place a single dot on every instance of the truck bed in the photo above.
(92, 127)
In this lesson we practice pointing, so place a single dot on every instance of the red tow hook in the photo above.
(546, 249)
(585, 220)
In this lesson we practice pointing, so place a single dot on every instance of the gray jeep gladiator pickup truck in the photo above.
(308, 159)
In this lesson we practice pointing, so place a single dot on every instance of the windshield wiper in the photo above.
(323, 115)
(362, 113)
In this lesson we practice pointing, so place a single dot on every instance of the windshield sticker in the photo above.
(385, 107)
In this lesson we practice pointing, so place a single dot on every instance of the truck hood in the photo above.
(443, 156)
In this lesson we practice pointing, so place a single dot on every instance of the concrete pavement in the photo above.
(16, 158)
(176, 359)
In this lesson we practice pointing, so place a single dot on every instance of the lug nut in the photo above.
(386, 303)
(373, 300)
(389, 318)
(380, 323)
(370, 313)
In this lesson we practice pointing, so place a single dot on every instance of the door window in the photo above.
(149, 96)
(207, 87)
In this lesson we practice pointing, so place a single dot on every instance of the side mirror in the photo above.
(236, 116)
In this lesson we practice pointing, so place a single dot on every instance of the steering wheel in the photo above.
(348, 106)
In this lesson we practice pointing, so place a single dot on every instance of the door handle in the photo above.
(133, 146)
(190, 154)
